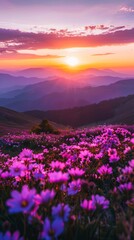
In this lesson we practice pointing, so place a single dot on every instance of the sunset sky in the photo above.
(38, 33)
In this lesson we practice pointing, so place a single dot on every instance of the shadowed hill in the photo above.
(11, 120)
(119, 110)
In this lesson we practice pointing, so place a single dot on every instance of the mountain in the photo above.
(98, 80)
(61, 94)
(67, 73)
(40, 89)
(9, 82)
(55, 84)
(36, 72)
(115, 111)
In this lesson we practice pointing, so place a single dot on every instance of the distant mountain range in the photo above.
(9, 82)
(115, 111)
(67, 73)
(61, 94)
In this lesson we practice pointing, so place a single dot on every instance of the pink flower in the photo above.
(131, 163)
(132, 140)
(113, 155)
(55, 177)
(76, 172)
(85, 155)
(26, 153)
(105, 170)
(17, 169)
(112, 151)
(57, 165)
(95, 202)
(127, 149)
(88, 205)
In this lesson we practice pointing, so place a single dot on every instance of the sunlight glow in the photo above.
(72, 61)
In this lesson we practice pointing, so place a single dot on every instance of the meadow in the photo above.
(72, 186)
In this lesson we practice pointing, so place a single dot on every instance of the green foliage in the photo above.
(44, 127)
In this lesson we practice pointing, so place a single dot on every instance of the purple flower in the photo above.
(100, 201)
(55, 177)
(61, 211)
(17, 169)
(127, 170)
(74, 187)
(9, 236)
(126, 187)
(52, 230)
(105, 170)
(21, 201)
(45, 196)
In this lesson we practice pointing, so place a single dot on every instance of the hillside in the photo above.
(11, 121)
(117, 111)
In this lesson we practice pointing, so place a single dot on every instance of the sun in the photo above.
(72, 61)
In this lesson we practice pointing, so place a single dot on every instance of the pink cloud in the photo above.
(96, 27)
(127, 9)
(104, 28)
(13, 40)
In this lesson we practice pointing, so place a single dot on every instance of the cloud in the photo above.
(113, 29)
(14, 40)
(127, 10)
(102, 54)
(96, 27)
(4, 53)
(102, 27)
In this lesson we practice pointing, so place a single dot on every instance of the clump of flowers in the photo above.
(78, 184)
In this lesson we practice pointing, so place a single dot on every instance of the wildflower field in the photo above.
(73, 186)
